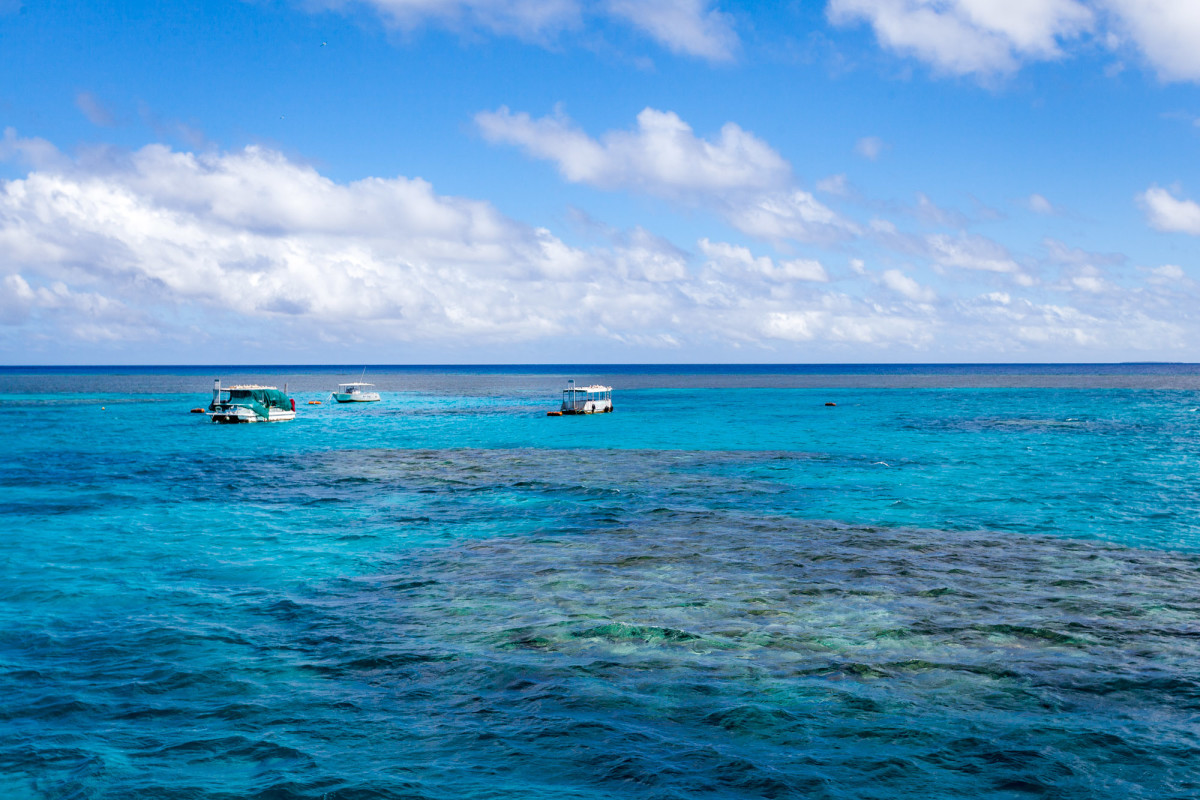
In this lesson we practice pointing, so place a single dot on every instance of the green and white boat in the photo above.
(250, 403)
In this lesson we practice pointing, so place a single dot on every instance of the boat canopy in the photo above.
(353, 386)
(593, 389)
(258, 398)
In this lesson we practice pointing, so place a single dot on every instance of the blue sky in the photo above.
(475, 181)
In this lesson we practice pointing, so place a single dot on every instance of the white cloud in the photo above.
(16, 299)
(649, 258)
(734, 261)
(257, 234)
(1170, 214)
(736, 173)
(689, 27)
(661, 156)
(33, 151)
(869, 147)
(835, 184)
(865, 329)
(987, 38)
(114, 248)
(778, 216)
(526, 19)
(1088, 278)
(684, 26)
(82, 316)
(1040, 205)
(1168, 272)
(903, 285)
(154, 245)
(961, 37)
(984, 38)
(1165, 31)
(971, 252)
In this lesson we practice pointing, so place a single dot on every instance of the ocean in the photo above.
(956, 581)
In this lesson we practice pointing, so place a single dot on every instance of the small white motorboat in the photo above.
(356, 393)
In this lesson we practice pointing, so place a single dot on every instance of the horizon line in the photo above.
(600, 364)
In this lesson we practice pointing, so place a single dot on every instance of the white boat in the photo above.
(355, 393)
(594, 399)
(250, 403)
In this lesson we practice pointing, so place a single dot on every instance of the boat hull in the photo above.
(590, 407)
(235, 416)
(360, 397)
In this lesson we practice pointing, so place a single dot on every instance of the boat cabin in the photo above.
(594, 399)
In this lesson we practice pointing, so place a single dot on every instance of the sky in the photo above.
(578, 181)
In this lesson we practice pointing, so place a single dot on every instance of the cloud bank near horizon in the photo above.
(115, 246)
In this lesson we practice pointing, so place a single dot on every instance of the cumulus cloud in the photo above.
(729, 259)
(735, 173)
(969, 251)
(982, 38)
(661, 156)
(841, 325)
(644, 256)
(16, 299)
(1165, 31)
(1168, 272)
(683, 26)
(905, 286)
(986, 38)
(114, 247)
(256, 234)
(33, 151)
(158, 243)
(688, 27)
(780, 216)
(1087, 278)
(1165, 212)
(958, 250)
(962, 37)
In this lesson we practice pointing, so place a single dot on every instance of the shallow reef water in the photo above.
(919, 593)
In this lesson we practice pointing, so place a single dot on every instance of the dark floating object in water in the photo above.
(553, 413)
(197, 410)
(831, 404)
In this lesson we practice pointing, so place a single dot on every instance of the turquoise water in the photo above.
(956, 581)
